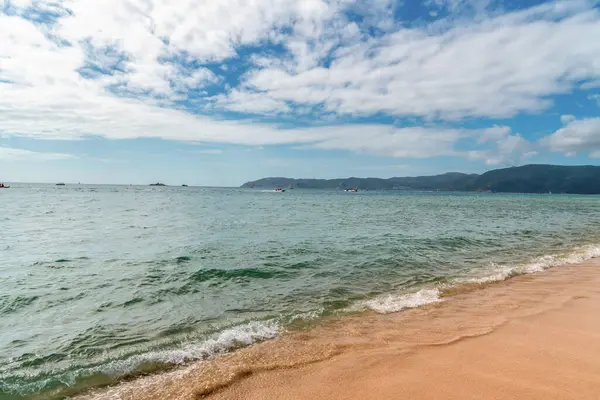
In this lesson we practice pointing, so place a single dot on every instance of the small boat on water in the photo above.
(351, 190)
(60, 184)
(280, 190)
(3, 186)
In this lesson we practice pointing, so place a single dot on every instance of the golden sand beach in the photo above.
(531, 337)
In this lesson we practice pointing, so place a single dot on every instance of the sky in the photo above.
(220, 92)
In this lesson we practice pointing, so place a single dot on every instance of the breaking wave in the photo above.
(501, 272)
(393, 303)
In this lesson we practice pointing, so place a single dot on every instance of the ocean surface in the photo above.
(102, 283)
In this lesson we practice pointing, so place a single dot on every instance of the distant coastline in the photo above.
(533, 178)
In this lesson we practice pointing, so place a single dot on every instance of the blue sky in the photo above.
(209, 92)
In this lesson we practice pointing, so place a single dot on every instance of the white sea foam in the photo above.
(499, 272)
(229, 339)
(306, 316)
(396, 302)
(222, 342)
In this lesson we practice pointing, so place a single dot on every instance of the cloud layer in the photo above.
(175, 69)
(497, 67)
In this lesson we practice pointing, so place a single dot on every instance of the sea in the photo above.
(100, 284)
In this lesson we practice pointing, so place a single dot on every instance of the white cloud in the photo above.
(507, 148)
(247, 102)
(494, 133)
(12, 154)
(577, 136)
(183, 80)
(565, 119)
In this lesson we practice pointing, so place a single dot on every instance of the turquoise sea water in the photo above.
(102, 282)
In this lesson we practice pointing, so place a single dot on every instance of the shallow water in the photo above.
(104, 282)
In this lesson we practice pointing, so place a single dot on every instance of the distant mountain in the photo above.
(583, 179)
(526, 179)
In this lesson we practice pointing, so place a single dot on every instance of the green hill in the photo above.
(526, 179)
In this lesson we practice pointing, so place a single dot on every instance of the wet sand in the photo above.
(533, 336)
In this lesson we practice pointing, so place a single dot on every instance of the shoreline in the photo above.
(295, 364)
(545, 350)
